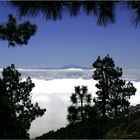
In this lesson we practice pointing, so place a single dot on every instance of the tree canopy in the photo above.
(16, 110)
(16, 34)
(81, 109)
(104, 11)
(113, 93)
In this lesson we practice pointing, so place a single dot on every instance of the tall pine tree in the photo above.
(16, 109)
(113, 93)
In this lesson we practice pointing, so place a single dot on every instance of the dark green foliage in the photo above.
(16, 110)
(80, 110)
(104, 11)
(133, 109)
(50, 10)
(129, 128)
(113, 93)
(75, 131)
(94, 129)
(118, 128)
(105, 72)
(119, 98)
(16, 34)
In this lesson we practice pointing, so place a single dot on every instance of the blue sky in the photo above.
(74, 41)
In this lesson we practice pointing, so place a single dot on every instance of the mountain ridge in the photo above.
(74, 66)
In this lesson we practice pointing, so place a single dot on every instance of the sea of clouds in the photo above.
(54, 95)
(53, 88)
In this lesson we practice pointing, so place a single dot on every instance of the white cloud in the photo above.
(54, 95)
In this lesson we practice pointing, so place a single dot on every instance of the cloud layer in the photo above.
(54, 95)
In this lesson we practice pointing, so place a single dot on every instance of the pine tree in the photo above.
(104, 11)
(120, 94)
(113, 93)
(16, 110)
(81, 101)
(16, 34)
(105, 73)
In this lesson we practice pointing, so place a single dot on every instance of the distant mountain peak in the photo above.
(73, 66)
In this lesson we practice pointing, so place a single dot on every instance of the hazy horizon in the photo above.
(61, 67)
